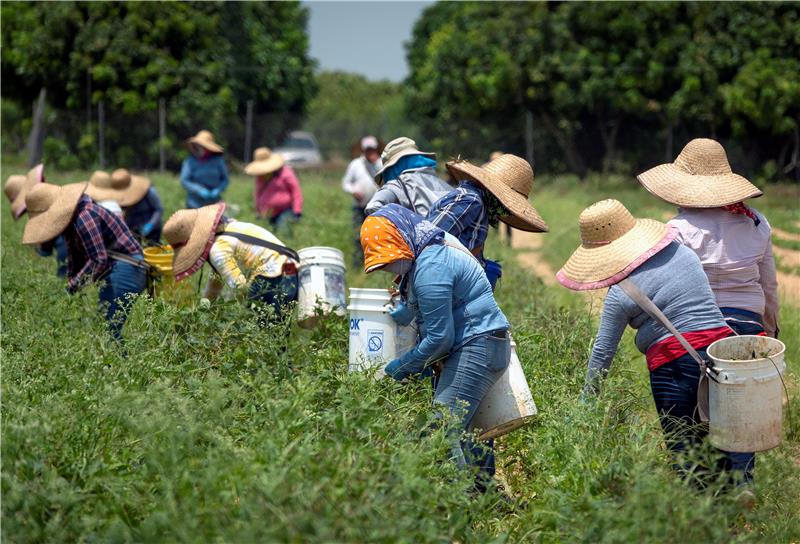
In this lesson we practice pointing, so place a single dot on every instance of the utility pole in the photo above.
(529, 135)
(101, 133)
(162, 134)
(248, 131)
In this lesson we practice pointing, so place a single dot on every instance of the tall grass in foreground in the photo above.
(212, 429)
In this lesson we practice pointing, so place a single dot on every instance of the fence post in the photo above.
(101, 133)
(162, 134)
(36, 136)
(248, 131)
(529, 135)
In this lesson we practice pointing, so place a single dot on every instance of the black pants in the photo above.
(359, 215)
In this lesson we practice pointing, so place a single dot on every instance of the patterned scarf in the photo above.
(494, 208)
(382, 243)
(740, 208)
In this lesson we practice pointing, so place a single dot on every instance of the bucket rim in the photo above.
(735, 361)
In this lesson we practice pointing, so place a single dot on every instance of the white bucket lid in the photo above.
(321, 255)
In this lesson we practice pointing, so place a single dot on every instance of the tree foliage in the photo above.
(611, 85)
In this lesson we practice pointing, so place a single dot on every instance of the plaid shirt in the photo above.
(93, 232)
(461, 212)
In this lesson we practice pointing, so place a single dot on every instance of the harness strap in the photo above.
(252, 240)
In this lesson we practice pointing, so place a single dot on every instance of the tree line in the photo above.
(610, 86)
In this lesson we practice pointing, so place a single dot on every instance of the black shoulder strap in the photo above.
(252, 240)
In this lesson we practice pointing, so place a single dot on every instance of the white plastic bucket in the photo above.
(322, 283)
(375, 339)
(745, 402)
(508, 405)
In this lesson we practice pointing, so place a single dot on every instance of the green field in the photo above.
(213, 430)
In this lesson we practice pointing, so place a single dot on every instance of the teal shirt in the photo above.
(204, 180)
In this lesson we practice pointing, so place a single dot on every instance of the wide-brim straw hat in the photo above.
(205, 139)
(700, 177)
(264, 162)
(122, 187)
(396, 150)
(17, 188)
(191, 234)
(51, 209)
(613, 244)
(510, 179)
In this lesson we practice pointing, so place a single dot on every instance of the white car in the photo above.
(300, 150)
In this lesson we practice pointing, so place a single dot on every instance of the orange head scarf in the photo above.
(382, 243)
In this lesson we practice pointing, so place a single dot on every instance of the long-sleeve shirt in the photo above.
(415, 189)
(674, 280)
(461, 212)
(737, 258)
(359, 178)
(276, 195)
(237, 263)
(93, 232)
(452, 299)
(200, 175)
(147, 210)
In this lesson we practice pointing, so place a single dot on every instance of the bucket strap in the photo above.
(252, 240)
(644, 302)
(125, 258)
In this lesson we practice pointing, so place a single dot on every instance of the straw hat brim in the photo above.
(49, 224)
(602, 266)
(191, 256)
(259, 168)
(677, 187)
(35, 175)
(396, 158)
(524, 215)
(206, 144)
(133, 194)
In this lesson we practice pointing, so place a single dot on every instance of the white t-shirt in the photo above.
(359, 178)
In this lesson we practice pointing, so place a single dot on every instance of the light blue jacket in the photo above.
(204, 180)
(451, 296)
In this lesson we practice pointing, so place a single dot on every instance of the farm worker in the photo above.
(244, 256)
(497, 191)
(277, 192)
(359, 182)
(16, 189)
(99, 246)
(408, 178)
(732, 240)
(139, 202)
(204, 174)
(615, 246)
(448, 292)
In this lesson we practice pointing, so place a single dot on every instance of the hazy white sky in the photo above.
(363, 37)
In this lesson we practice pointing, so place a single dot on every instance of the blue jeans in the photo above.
(275, 292)
(122, 283)
(283, 220)
(60, 245)
(467, 375)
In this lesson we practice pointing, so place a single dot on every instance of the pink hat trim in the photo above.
(201, 260)
(672, 233)
(39, 179)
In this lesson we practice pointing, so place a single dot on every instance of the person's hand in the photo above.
(401, 313)
(147, 228)
(206, 194)
(298, 216)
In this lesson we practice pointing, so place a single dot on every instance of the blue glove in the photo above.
(206, 194)
(216, 193)
(147, 228)
(402, 314)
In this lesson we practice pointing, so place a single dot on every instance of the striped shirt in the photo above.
(94, 232)
(461, 212)
(237, 263)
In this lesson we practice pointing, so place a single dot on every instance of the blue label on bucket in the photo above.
(354, 324)
(375, 342)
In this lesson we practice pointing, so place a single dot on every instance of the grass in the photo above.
(212, 429)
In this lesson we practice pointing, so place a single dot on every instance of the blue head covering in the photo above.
(416, 230)
(407, 163)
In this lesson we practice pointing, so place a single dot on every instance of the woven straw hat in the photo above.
(510, 179)
(191, 234)
(205, 139)
(264, 162)
(396, 150)
(51, 209)
(700, 177)
(17, 188)
(120, 186)
(613, 244)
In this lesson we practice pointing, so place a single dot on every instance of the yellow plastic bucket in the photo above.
(159, 257)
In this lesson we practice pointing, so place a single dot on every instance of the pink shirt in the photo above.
(279, 194)
(737, 258)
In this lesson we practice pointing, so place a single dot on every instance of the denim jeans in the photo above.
(276, 292)
(60, 245)
(674, 387)
(283, 221)
(467, 375)
(122, 283)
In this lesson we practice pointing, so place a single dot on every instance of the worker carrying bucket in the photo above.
(444, 287)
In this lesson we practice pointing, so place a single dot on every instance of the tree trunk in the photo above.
(668, 156)
(36, 136)
(567, 146)
(609, 137)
